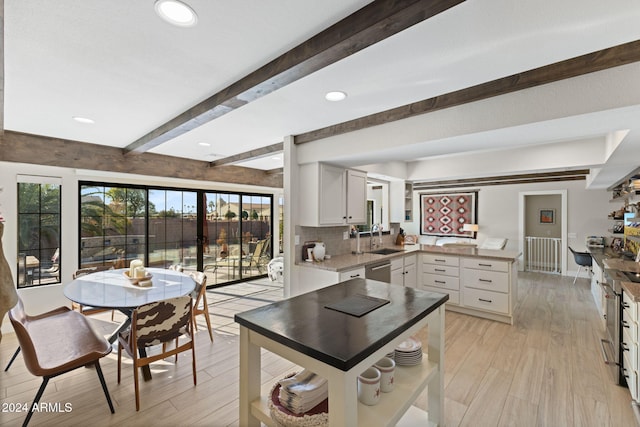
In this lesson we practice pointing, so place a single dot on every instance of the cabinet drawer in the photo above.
(352, 274)
(486, 300)
(485, 264)
(629, 348)
(628, 304)
(440, 259)
(632, 377)
(443, 270)
(438, 281)
(454, 296)
(629, 325)
(489, 280)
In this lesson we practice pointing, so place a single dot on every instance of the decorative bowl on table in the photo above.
(136, 280)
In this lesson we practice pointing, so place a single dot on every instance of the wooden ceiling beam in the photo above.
(248, 155)
(572, 175)
(20, 148)
(375, 22)
(597, 61)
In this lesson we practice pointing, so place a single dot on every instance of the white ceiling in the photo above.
(121, 65)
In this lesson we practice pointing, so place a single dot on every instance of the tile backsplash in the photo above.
(333, 238)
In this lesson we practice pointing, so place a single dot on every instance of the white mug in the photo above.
(387, 368)
(369, 386)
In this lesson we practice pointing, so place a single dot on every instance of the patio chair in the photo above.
(259, 258)
(153, 324)
(56, 344)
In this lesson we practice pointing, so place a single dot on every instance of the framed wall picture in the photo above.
(445, 214)
(547, 216)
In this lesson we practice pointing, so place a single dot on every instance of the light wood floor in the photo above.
(546, 370)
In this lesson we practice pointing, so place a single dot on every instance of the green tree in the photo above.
(230, 214)
(254, 214)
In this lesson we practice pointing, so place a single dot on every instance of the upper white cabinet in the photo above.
(330, 195)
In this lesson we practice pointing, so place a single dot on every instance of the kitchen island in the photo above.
(339, 346)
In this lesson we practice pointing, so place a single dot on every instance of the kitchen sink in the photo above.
(633, 277)
(386, 251)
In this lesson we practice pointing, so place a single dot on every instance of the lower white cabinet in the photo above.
(404, 271)
(596, 290)
(629, 344)
(478, 286)
(441, 273)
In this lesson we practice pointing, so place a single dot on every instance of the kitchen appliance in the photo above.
(613, 315)
(380, 271)
(307, 250)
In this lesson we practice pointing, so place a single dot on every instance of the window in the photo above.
(38, 231)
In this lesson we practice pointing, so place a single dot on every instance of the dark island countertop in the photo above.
(304, 324)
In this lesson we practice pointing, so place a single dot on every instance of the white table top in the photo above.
(111, 289)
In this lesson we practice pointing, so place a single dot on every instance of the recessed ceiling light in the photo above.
(176, 13)
(204, 144)
(335, 96)
(83, 120)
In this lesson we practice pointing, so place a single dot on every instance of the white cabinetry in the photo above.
(440, 273)
(596, 290)
(477, 286)
(629, 344)
(331, 195)
(351, 274)
(486, 285)
(404, 271)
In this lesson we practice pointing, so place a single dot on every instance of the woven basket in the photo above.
(316, 417)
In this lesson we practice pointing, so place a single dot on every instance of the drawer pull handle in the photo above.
(484, 265)
(485, 280)
(440, 281)
(353, 276)
(625, 305)
(624, 346)
(625, 324)
(439, 270)
(485, 300)
(440, 260)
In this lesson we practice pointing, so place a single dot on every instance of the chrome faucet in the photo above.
(374, 228)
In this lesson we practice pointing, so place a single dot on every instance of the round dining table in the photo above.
(114, 290)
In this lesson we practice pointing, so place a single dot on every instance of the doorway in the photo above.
(543, 228)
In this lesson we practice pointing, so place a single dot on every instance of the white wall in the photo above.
(587, 212)
(42, 298)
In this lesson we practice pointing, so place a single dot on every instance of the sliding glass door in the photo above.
(226, 235)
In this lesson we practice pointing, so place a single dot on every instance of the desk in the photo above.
(111, 289)
(339, 347)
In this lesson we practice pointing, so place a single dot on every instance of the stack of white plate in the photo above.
(408, 352)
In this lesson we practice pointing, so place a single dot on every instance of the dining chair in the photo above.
(85, 309)
(583, 259)
(153, 324)
(56, 344)
(34, 321)
(200, 299)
